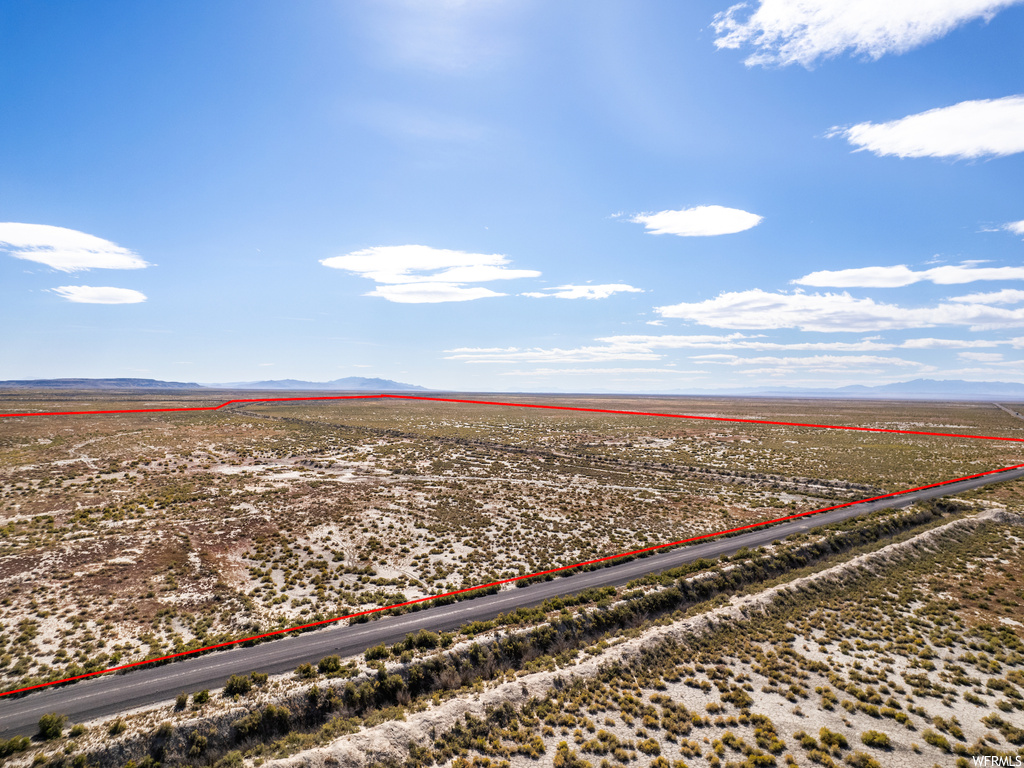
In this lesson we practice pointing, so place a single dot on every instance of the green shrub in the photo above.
(860, 759)
(568, 758)
(936, 740)
(272, 720)
(377, 652)
(833, 739)
(201, 698)
(198, 744)
(876, 739)
(258, 678)
(238, 685)
(15, 744)
(51, 726)
(806, 740)
(117, 727)
(306, 671)
(329, 665)
(822, 758)
(232, 759)
(649, 747)
(181, 701)
(77, 730)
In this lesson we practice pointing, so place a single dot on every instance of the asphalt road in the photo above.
(1015, 414)
(110, 694)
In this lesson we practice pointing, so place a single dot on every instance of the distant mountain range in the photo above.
(96, 384)
(347, 384)
(350, 383)
(918, 389)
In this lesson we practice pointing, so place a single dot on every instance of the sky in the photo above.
(593, 196)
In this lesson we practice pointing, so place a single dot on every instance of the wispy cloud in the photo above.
(970, 129)
(741, 341)
(702, 221)
(1016, 227)
(786, 32)
(584, 291)
(593, 371)
(587, 354)
(815, 363)
(651, 347)
(901, 275)
(930, 343)
(981, 357)
(67, 250)
(416, 274)
(87, 294)
(452, 37)
(1005, 296)
(431, 293)
(758, 309)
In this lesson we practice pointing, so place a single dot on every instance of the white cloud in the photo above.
(1016, 227)
(802, 31)
(421, 263)
(702, 221)
(740, 341)
(414, 274)
(901, 275)
(67, 250)
(833, 312)
(822, 363)
(585, 291)
(1005, 296)
(929, 343)
(593, 354)
(594, 371)
(431, 293)
(87, 294)
(980, 357)
(645, 347)
(970, 129)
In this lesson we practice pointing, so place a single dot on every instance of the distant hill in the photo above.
(918, 389)
(347, 384)
(95, 384)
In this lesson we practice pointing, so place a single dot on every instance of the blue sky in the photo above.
(577, 196)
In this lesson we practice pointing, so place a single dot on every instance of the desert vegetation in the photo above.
(130, 536)
(871, 660)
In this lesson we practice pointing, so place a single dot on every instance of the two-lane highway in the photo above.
(109, 694)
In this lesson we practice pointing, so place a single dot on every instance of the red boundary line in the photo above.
(517, 405)
(513, 579)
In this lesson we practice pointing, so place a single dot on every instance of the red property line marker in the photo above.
(430, 598)
(521, 405)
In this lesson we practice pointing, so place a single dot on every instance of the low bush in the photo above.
(238, 685)
(51, 726)
(117, 727)
(876, 739)
(329, 665)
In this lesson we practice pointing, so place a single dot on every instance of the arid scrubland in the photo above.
(878, 654)
(905, 657)
(128, 536)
